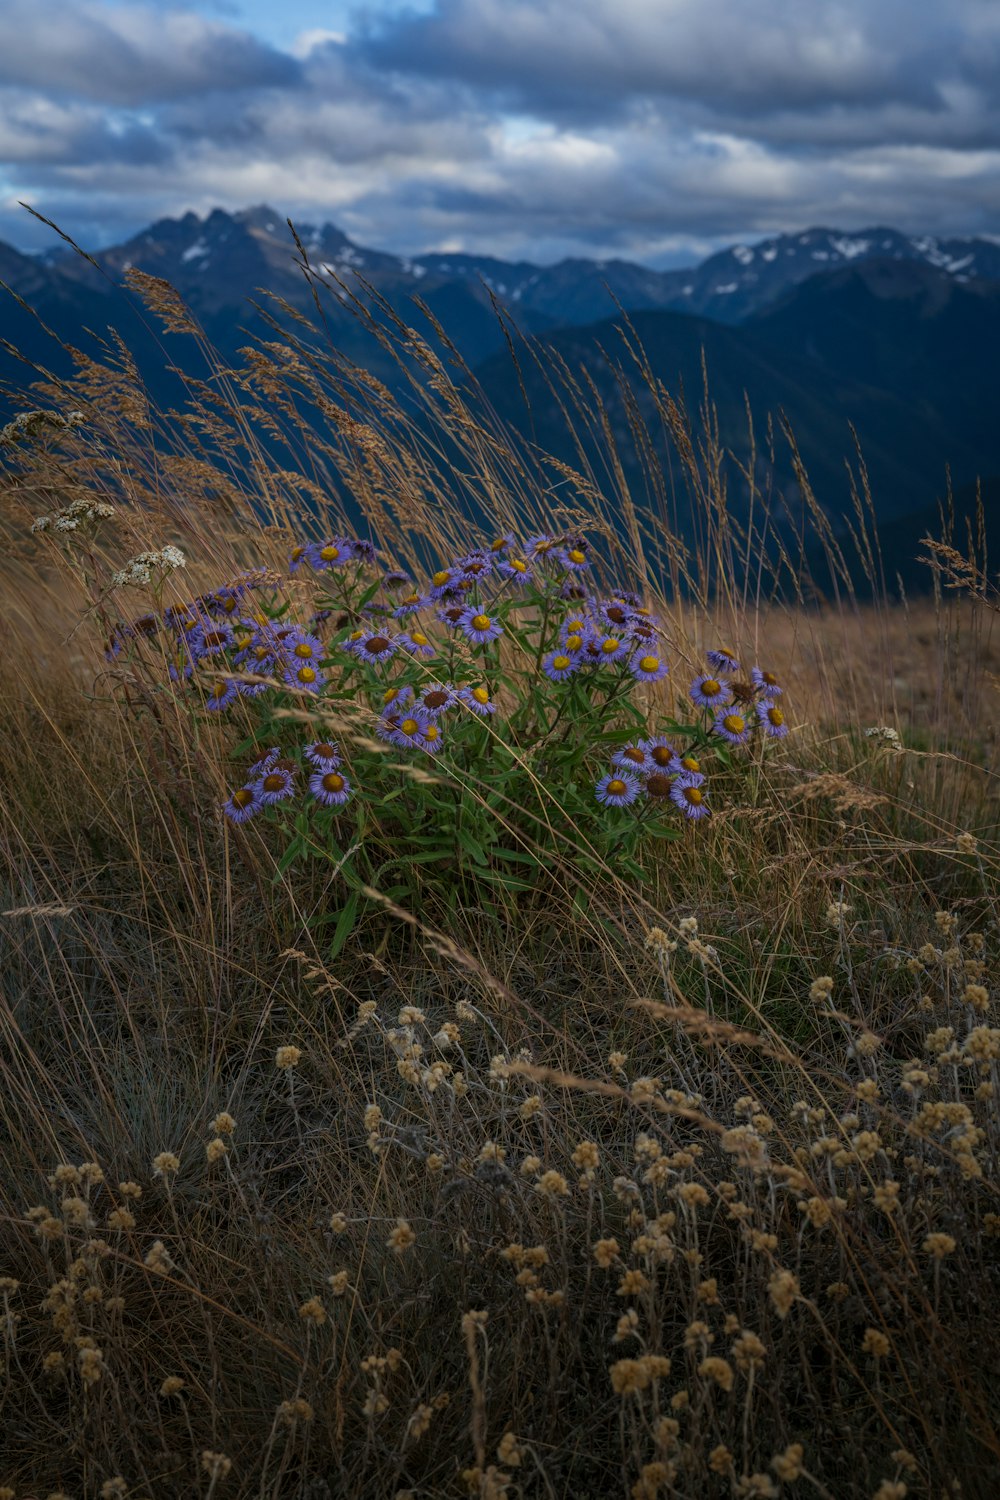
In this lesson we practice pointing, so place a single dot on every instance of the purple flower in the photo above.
(211, 639)
(437, 698)
(397, 579)
(398, 696)
(647, 666)
(452, 615)
(539, 546)
(659, 753)
(573, 556)
(242, 805)
(772, 719)
(443, 581)
(478, 699)
(374, 648)
(299, 555)
(307, 678)
(221, 694)
(302, 647)
(634, 758)
(560, 664)
(330, 787)
(408, 731)
(480, 628)
(722, 661)
(690, 796)
(733, 727)
(433, 738)
(475, 566)
(274, 785)
(363, 550)
(709, 692)
(416, 643)
(322, 755)
(615, 617)
(766, 683)
(610, 648)
(516, 568)
(335, 553)
(503, 543)
(411, 604)
(685, 765)
(264, 762)
(617, 789)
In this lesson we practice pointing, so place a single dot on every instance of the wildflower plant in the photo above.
(503, 713)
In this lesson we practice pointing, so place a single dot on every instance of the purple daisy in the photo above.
(362, 550)
(452, 616)
(211, 639)
(242, 805)
(416, 643)
(573, 556)
(515, 568)
(685, 765)
(617, 789)
(634, 758)
(689, 793)
(539, 546)
(265, 760)
(722, 661)
(398, 696)
(335, 553)
(611, 648)
(274, 785)
(374, 648)
(480, 628)
(411, 604)
(443, 581)
(322, 755)
(560, 664)
(408, 731)
(659, 753)
(766, 683)
(330, 787)
(298, 556)
(647, 666)
(221, 694)
(437, 698)
(305, 677)
(733, 727)
(772, 718)
(397, 579)
(303, 647)
(502, 543)
(433, 738)
(478, 699)
(709, 692)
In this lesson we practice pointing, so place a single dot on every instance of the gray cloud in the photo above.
(523, 127)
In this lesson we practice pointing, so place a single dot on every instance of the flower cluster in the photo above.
(139, 571)
(81, 512)
(512, 636)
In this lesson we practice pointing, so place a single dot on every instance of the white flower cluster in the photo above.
(72, 517)
(884, 733)
(29, 422)
(138, 572)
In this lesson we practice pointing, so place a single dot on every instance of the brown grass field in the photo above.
(678, 1180)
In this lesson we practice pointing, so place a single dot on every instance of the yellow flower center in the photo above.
(694, 795)
(499, 544)
(776, 716)
(418, 638)
(390, 694)
(329, 554)
(332, 782)
(650, 663)
(690, 764)
(481, 695)
(769, 678)
(633, 753)
(431, 732)
(709, 687)
(481, 622)
(440, 578)
(735, 723)
(576, 555)
(273, 782)
(413, 598)
(610, 645)
(574, 642)
(356, 635)
(409, 726)
(220, 689)
(297, 553)
(560, 663)
(306, 674)
(243, 797)
(576, 626)
(304, 649)
(616, 787)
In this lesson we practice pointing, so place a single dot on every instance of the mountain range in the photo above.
(891, 334)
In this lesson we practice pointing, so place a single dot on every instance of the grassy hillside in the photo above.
(442, 1127)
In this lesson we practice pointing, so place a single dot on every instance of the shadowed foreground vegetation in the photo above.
(667, 1176)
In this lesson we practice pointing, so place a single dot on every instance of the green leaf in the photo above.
(345, 923)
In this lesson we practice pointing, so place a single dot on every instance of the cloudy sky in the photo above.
(651, 129)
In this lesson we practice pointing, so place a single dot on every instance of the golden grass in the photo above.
(687, 1190)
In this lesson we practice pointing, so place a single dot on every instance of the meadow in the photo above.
(579, 1083)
